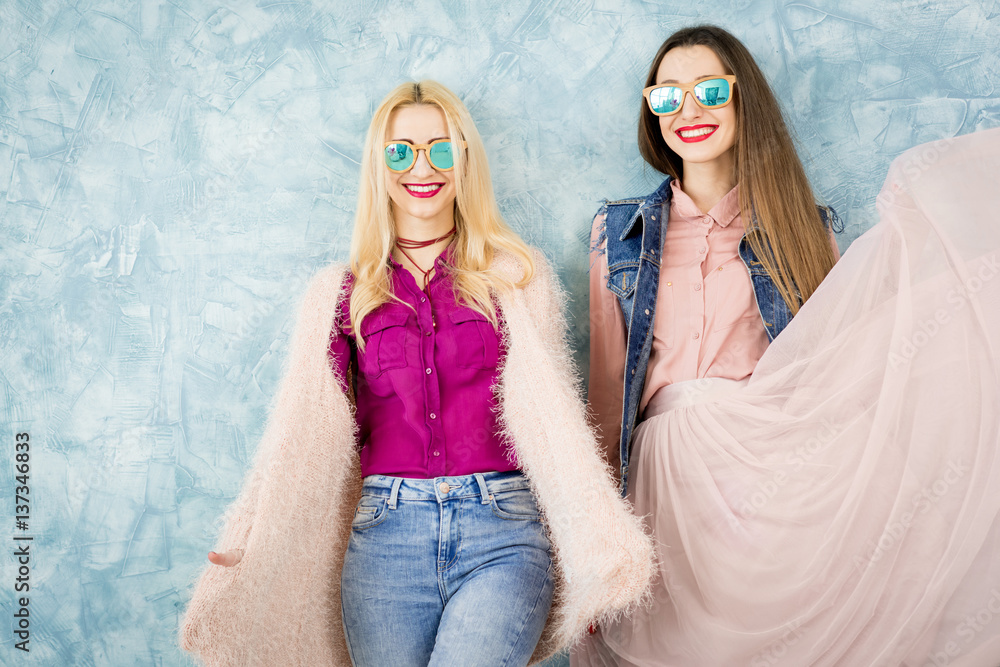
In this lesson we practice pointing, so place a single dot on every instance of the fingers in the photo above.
(226, 559)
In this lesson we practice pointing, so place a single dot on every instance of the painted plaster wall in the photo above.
(172, 172)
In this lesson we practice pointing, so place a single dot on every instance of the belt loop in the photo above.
(483, 491)
(394, 494)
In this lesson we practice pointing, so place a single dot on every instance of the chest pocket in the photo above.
(621, 280)
(478, 344)
(733, 296)
(386, 339)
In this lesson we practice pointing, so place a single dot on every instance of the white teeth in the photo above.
(697, 133)
(423, 188)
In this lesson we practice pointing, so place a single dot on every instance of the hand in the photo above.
(226, 559)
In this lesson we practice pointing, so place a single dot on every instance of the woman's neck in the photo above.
(416, 260)
(706, 183)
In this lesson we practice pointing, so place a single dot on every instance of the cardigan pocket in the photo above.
(386, 338)
(479, 343)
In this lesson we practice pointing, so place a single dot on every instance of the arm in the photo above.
(607, 352)
(340, 360)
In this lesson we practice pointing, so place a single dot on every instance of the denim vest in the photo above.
(634, 229)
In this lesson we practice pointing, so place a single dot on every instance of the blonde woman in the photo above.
(427, 491)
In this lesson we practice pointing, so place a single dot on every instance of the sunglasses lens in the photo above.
(440, 155)
(713, 93)
(398, 157)
(665, 99)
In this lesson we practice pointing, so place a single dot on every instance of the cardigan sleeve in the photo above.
(275, 605)
(547, 299)
(602, 549)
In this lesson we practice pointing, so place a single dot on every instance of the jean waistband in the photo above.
(480, 484)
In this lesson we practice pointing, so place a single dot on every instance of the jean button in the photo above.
(443, 487)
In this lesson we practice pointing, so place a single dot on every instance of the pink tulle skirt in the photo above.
(841, 507)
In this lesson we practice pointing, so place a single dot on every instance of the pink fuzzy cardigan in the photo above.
(281, 604)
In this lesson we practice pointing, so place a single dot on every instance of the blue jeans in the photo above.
(446, 571)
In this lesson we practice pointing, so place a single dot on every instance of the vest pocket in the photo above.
(621, 281)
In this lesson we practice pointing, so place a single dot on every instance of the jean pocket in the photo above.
(516, 505)
(371, 511)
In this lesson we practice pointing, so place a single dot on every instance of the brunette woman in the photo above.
(486, 530)
(786, 478)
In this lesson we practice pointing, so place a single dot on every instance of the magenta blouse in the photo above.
(423, 384)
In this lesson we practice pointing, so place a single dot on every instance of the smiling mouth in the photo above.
(423, 190)
(696, 133)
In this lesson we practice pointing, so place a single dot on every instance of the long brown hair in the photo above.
(791, 243)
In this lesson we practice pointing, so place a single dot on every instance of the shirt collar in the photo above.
(723, 213)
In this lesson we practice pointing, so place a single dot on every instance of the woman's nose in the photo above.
(689, 108)
(422, 167)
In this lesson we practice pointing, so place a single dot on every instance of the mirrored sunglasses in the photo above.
(710, 92)
(402, 155)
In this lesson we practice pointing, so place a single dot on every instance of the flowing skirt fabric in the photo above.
(841, 508)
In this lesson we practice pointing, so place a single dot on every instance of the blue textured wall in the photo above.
(172, 172)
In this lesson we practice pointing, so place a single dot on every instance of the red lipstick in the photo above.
(697, 137)
(434, 189)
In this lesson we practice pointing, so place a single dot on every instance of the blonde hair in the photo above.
(480, 230)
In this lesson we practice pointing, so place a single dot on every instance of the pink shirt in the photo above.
(706, 322)
(424, 394)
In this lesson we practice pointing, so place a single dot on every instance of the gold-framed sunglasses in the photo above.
(400, 156)
(710, 92)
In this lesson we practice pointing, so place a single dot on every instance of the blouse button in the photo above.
(428, 371)
(696, 335)
(427, 333)
(437, 453)
(422, 299)
(697, 288)
(433, 416)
